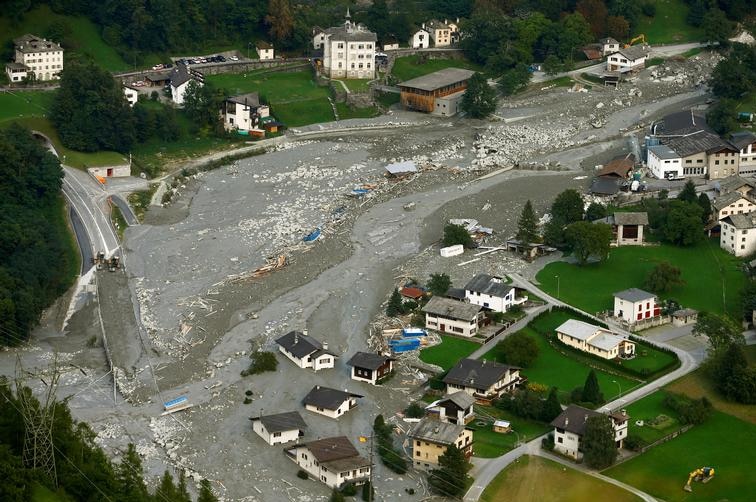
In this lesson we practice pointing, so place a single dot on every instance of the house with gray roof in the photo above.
(371, 368)
(627, 228)
(430, 438)
(348, 50)
(305, 351)
(595, 340)
(333, 461)
(491, 293)
(438, 93)
(703, 152)
(244, 112)
(629, 59)
(455, 408)
(570, 425)
(745, 142)
(279, 428)
(731, 203)
(679, 124)
(452, 316)
(180, 78)
(738, 234)
(484, 380)
(633, 305)
(35, 57)
(332, 403)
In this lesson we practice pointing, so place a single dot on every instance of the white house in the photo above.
(430, 439)
(595, 340)
(569, 428)
(484, 380)
(664, 163)
(305, 351)
(440, 33)
(420, 39)
(627, 228)
(264, 51)
(370, 368)
(318, 37)
(732, 203)
(333, 461)
(37, 56)
(745, 142)
(632, 305)
(738, 234)
(490, 292)
(452, 316)
(349, 51)
(609, 46)
(131, 94)
(243, 112)
(330, 402)
(180, 78)
(456, 408)
(279, 428)
(627, 60)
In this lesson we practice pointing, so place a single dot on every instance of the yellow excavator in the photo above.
(640, 38)
(702, 474)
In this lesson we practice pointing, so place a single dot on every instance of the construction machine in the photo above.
(99, 260)
(639, 38)
(114, 263)
(702, 474)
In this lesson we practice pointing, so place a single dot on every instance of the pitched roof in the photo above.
(663, 152)
(438, 79)
(452, 308)
(489, 285)
(330, 449)
(358, 34)
(620, 167)
(435, 24)
(299, 344)
(460, 398)
(726, 199)
(182, 74)
(412, 292)
(634, 52)
(369, 360)
(683, 122)
(248, 99)
(741, 221)
(742, 139)
(574, 418)
(578, 329)
(33, 43)
(734, 182)
(261, 44)
(634, 295)
(605, 185)
(699, 142)
(609, 40)
(456, 293)
(477, 374)
(434, 431)
(280, 422)
(325, 397)
(638, 218)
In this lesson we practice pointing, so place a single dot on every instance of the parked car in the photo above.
(234, 58)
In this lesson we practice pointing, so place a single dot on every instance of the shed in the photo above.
(399, 169)
(683, 317)
(502, 427)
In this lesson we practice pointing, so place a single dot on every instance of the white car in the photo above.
(234, 58)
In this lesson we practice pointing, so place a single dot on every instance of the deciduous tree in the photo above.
(589, 240)
(617, 27)
(514, 79)
(595, 211)
(721, 331)
(279, 19)
(479, 99)
(663, 278)
(439, 284)
(457, 234)
(518, 349)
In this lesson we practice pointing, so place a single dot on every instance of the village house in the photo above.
(738, 234)
(665, 163)
(456, 408)
(704, 152)
(440, 33)
(244, 113)
(491, 293)
(619, 167)
(627, 60)
(279, 428)
(738, 184)
(420, 39)
(332, 403)
(450, 316)
(627, 228)
(430, 439)
(370, 368)
(37, 57)
(265, 51)
(454, 28)
(318, 37)
(439, 93)
(595, 340)
(569, 428)
(333, 461)
(609, 46)
(732, 203)
(131, 95)
(181, 76)
(484, 380)
(349, 51)
(632, 305)
(305, 351)
(745, 142)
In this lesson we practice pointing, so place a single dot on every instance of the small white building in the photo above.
(732, 203)
(484, 380)
(369, 367)
(420, 39)
(440, 33)
(318, 37)
(456, 408)
(332, 403)
(738, 234)
(131, 94)
(628, 60)
(627, 228)
(664, 163)
(609, 46)
(279, 428)
(16, 72)
(452, 316)
(633, 305)
(569, 428)
(333, 461)
(595, 340)
(305, 351)
(180, 79)
(41, 58)
(243, 112)
(491, 293)
(265, 51)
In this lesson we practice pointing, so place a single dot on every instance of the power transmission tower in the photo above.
(38, 418)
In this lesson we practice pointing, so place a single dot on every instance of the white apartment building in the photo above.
(440, 33)
(349, 51)
(569, 428)
(632, 305)
(609, 46)
(333, 461)
(490, 292)
(732, 203)
(745, 142)
(131, 94)
(452, 316)
(37, 56)
(738, 234)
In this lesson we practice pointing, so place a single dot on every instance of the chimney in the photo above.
(586, 418)
(566, 420)
(423, 25)
(325, 345)
(304, 332)
(296, 337)
(435, 431)
(624, 413)
(446, 21)
(317, 387)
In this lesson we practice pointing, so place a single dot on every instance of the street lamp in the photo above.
(618, 387)
(557, 278)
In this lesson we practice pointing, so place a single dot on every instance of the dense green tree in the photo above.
(617, 27)
(457, 234)
(201, 105)
(182, 493)
(721, 331)
(722, 117)
(629, 9)
(688, 192)
(379, 19)
(689, 411)
(732, 376)
(696, 12)
(131, 476)
(595, 13)
(518, 349)
(439, 284)
(591, 390)
(394, 306)
(568, 206)
(167, 490)
(368, 492)
(575, 33)
(16, 480)
(479, 99)
(663, 278)
(450, 479)
(551, 407)
(735, 75)
(280, 19)
(383, 437)
(748, 300)
(682, 225)
(589, 240)
(552, 65)
(716, 26)
(513, 80)
(206, 492)
(706, 210)
(595, 211)
(599, 450)
(527, 226)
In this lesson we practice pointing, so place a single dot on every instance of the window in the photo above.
(276, 434)
(560, 440)
(341, 45)
(417, 453)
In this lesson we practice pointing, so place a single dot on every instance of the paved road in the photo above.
(128, 214)
(512, 329)
(85, 246)
(486, 471)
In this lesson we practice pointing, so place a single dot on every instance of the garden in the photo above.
(447, 353)
(657, 419)
(409, 67)
(490, 444)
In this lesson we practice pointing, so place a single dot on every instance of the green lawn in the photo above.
(356, 84)
(346, 112)
(448, 352)
(490, 444)
(536, 479)
(84, 35)
(668, 25)
(723, 442)
(650, 359)
(649, 409)
(409, 67)
(15, 105)
(713, 277)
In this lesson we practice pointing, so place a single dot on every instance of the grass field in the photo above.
(650, 408)
(668, 26)
(356, 84)
(15, 105)
(346, 112)
(713, 277)
(448, 352)
(410, 67)
(722, 442)
(490, 444)
(535, 479)
(84, 35)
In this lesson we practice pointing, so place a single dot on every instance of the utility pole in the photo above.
(364, 439)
